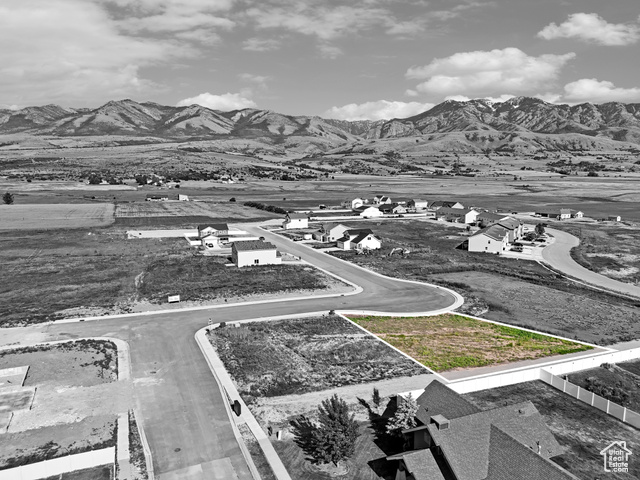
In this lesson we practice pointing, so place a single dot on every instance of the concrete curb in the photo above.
(228, 388)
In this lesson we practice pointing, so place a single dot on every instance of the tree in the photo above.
(539, 229)
(405, 416)
(376, 397)
(7, 198)
(333, 438)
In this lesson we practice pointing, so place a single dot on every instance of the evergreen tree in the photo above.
(7, 198)
(405, 416)
(376, 398)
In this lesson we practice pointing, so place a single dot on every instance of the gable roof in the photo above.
(362, 236)
(443, 203)
(490, 216)
(438, 399)
(495, 232)
(455, 211)
(215, 226)
(510, 223)
(296, 215)
(252, 245)
(466, 443)
(421, 464)
(511, 460)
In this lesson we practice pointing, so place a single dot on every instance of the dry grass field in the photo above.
(54, 216)
(582, 429)
(225, 211)
(451, 342)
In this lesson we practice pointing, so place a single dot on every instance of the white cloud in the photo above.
(378, 110)
(225, 102)
(596, 91)
(591, 27)
(411, 93)
(444, 15)
(72, 51)
(486, 73)
(329, 51)
(255, 44)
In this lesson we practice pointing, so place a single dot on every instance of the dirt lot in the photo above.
(633, 367)
(72, 273)
(81, 363)
(286, 357)
(451, 342)
(45, 443)
(610, 249)
(513, 291)
(231, 211)
(583, 430)
(572, 314)
(47, 217)
(97, 473)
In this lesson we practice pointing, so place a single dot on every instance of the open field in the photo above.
(67, 273)
(47, 217)
(583, 430)
(448, 342)
(286, 357)
(633, 367)
(224, 211)
(79, 363)
(609, 249)
(514, 291)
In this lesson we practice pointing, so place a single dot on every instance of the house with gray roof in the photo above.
(248, 253)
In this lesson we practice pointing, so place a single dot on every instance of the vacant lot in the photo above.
(448, 342)
(583, 430)
(633, 367)
(514, 291)
(224, 211)
(75, 273)
(82, 363)
(612, 382)
(54, 216)
(310, 354)
(97, 473)
(609, 249)
(573, 314)
(36, 445)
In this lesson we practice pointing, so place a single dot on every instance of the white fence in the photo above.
(590, 398)
(57, 466)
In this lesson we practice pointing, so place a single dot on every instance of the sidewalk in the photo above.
(226, 384)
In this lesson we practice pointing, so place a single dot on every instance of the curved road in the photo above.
(558, 255)
(181, 406)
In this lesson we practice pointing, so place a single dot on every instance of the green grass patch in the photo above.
(448, 342)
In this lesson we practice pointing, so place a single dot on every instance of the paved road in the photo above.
(182, 408)
(558, 255)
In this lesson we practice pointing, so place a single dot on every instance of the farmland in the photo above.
(53, 216)
(448, 342)
(578, 427)
(287, 357)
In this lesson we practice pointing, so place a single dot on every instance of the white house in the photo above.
(493, 239)
(183, 198)
(381, 199)
(359, 239)
(295, 220)
(418, 204)
(446, 204)
(330, 232)
(369, 212)
(356, 202)
(514, 227)
(213, 235)
(254, 252)
(460, 215)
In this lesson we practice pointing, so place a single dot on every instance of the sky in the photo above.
(345, 59)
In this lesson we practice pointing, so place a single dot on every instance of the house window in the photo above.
(256, 261)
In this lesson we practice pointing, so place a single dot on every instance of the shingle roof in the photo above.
(422, 465)
(465, 444)
(511, 460)
(215, 226)
(441, 203)
(438, 399)
(455, 211)
(252, 245)
(509, 223)
(297, 215)
(494, 231)
(490, 216)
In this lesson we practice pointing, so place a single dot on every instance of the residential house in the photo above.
(614, 218)
(294, 220)
(162, 197)
(183, 198)
(254, 252)
(493, 239)
(459, 215)
(559, 214)
(213, 235)
(456, 440)
(576, 213)
(514, 226)
(418, 204)
(330, 232)
(381, 200)
(392, 208)
(439, 204)
(485, 219)
(359, 239)
(357, 202)
(366, 211)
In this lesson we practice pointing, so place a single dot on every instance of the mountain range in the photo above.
(518, 125)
